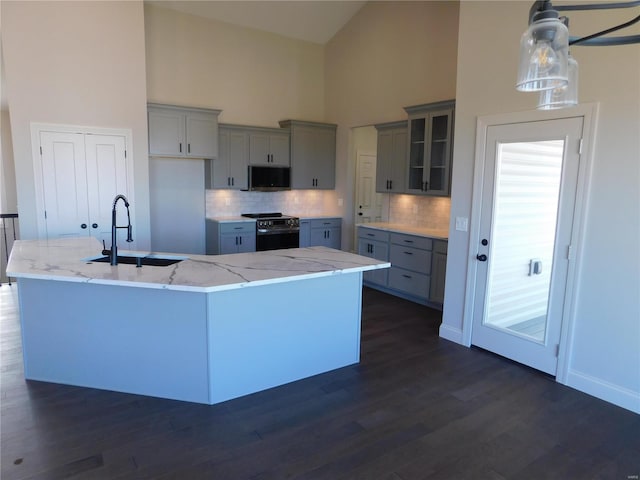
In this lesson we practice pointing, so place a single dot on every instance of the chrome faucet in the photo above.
(113, 253)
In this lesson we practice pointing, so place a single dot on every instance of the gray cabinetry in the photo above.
(418, 264)
(313, 154)
(410, 258)
(430, 148)
(374, 243)
(229, 170)
(268, 146)
(391, 157)
(230, 237)
(326, 232)
(182, 132)
(438, 271)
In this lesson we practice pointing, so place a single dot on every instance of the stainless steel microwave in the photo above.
(269, 179)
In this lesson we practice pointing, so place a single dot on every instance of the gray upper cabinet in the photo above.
(229, 170)
(268, 146)
(391, 161)
(313, 154)
(430, 148)
(182, 132)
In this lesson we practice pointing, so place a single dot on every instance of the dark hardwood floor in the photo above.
(416, 407)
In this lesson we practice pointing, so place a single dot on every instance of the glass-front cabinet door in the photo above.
(430, 148)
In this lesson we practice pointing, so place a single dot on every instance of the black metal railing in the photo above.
(7, 242)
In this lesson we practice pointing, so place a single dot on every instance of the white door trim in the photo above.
(37, 128)
(589, 113)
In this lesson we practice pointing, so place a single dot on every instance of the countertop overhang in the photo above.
(65, 259)
(411, 230)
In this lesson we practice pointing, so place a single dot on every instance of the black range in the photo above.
(275, 231)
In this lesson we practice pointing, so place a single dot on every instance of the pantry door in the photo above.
(524, 246)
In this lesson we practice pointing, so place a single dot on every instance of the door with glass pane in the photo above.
(523, 251)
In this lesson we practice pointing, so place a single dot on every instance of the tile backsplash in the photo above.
(225, 203)
(413, 210)
(419, 211)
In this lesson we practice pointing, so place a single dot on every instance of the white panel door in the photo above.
(81, 175)
(526, 221)
(64, 184)
(106, 165)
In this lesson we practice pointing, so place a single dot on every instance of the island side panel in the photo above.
(134, 340)
(262, 337)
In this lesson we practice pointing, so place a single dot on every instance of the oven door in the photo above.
(276, 241)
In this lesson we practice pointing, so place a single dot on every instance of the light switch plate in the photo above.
(462, 224)
(340, 202)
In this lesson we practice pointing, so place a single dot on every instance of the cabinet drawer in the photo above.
(412, 241)
(411, 258)
(440, 246)
(373, 234)
(240, 227)
(326, 222)
(409, 282)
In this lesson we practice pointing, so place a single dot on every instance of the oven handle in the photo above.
(264, 231)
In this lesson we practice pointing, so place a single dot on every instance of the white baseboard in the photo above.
(450, 333)
(609, 392)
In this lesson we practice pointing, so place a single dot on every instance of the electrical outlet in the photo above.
(227, 201)
(415, 209)
(340, 202)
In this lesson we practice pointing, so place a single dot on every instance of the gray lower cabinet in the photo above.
(418, 264)
(229, 170)
(313, 154)
(438, 271)
(326, 232)
(230, 237)
(374, 243)
(410, 258)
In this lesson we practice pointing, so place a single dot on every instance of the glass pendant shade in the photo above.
(544, 51)
(561, 97)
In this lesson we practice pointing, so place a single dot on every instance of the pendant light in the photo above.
(544, 50)
(563, 96)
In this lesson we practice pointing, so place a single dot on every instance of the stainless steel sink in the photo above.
(153, 261)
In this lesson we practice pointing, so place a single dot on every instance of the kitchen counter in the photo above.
(66, 260)
(207, 329)
(232, 219)
(411, 230)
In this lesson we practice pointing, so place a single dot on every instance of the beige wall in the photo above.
(9, 199)
(603, 358)
(390, 55)
(75, 63)
(255, 78)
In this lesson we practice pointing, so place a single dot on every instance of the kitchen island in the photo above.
(206, 329)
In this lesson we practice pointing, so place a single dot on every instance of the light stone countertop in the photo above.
(66, 259)
(408, 229)
(232, 219)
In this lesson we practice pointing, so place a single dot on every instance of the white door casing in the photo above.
(78, 171)
(587, 113)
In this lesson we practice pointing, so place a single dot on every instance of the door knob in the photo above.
(482, 257)
(360, 213)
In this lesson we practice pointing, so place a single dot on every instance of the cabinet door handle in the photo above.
(233, 182)
(390, 184)
(406, 276)
(371, 234)
(408, 241)
(188, 148)
(228, 181)
(408, 253)
(240, 238)
(180, 147)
